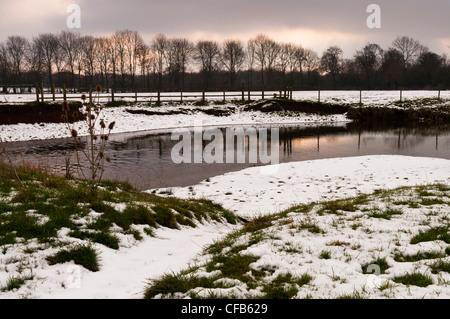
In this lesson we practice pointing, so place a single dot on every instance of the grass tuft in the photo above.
(83, 255)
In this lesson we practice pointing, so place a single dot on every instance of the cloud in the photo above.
(315, 23)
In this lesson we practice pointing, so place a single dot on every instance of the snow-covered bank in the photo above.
(127, 122)
(125, 273)
(260, 190)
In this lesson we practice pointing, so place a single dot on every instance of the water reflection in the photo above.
(145, 159)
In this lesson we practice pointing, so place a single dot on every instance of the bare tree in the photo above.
(251, 57)
(311, 61)
(120, 47)
(90, 52)
(104, 60)
(71, 46)
(207, 54)
(273, 53)
(181, 52)
(16, 49)
(287, 60)
(409, 48)
(144, 57)
(160, 45)
(299, 57)
(232, 58)
(133, 45)
(368, 62)
(35, 60)
(331, 62)
(392, 67)
(47, 44)
(261, 44)
(4, 65)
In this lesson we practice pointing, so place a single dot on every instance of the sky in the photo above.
(314, 24)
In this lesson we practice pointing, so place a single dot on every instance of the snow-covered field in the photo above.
(368, 97)
(126, 272)
(258, 191)
(250, 192)
(126, 122)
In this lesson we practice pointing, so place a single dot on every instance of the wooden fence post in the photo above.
(42, 92)
(53, 92)
(181, 95)
(159, 96)
(112, 93)
(203, 97)
(224, 96)
(90, 95)
(243, 92)
(319, 95)
(64, 92)
(401, 95)
(37, 92)
(135, 96)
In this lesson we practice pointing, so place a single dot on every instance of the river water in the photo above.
(145, 159)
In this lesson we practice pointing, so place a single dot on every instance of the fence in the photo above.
(42, 94)
(245, 94)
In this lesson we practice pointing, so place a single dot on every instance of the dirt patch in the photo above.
(38, 113)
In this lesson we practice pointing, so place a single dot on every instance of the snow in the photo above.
(126, 122)
(251, 192)
(266, 190)
(125, 273)
(368, 97)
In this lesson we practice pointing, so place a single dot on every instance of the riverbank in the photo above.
(126, 272)
(334, 107)
(135, 118)
(46, 222)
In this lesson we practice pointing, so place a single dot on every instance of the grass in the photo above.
(15, 282)
(432, 234)
(414, 279)
(39, 206)
(61, 201)
(268, 256)
(380, 265)
(85, 256)
(385, 214)
(440, 265)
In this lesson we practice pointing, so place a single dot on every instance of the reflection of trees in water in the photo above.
(140, 158)
(403, 141)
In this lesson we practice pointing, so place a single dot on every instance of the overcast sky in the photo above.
(314, 24)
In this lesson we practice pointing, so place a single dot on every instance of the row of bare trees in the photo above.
(126, 60)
